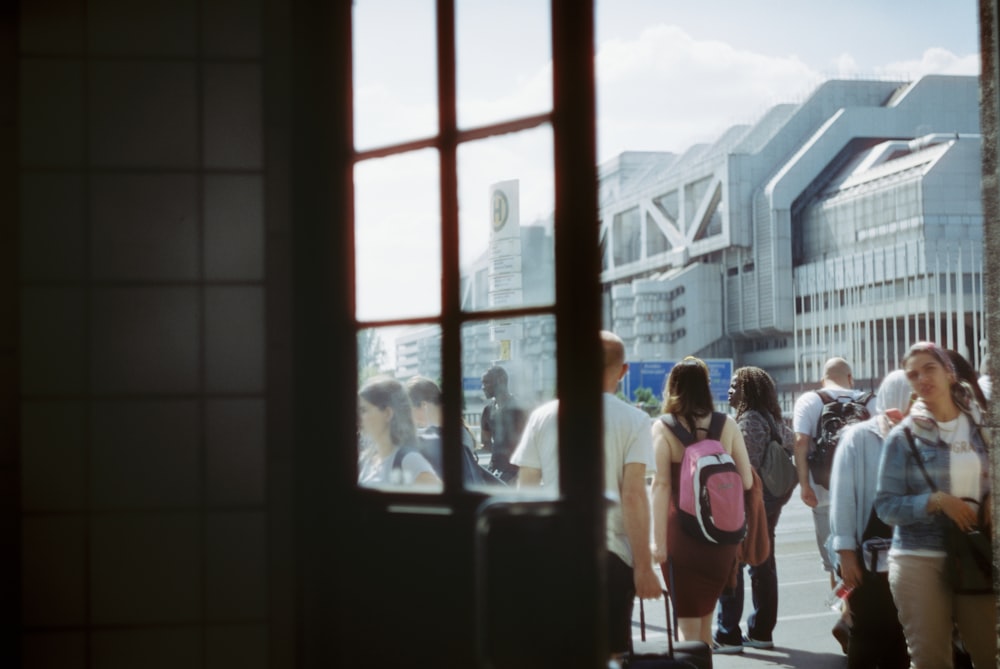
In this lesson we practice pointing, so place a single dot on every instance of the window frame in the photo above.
(576, 308)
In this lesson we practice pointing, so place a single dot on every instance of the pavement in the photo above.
(802, 638)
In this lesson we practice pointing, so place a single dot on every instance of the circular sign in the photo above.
(501, 209)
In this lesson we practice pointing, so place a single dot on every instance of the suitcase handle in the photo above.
(642, 622)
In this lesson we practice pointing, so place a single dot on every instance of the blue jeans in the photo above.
(764, 587)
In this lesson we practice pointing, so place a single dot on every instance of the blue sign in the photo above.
(471, 383)
(720, 373)
(653, 375)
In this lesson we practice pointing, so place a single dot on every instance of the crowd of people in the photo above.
(908, 472)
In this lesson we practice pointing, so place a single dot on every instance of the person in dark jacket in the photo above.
(753, 395)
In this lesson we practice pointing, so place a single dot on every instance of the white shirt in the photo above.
(805, 418)
(372, 471)
(627, 439)
(964, 465)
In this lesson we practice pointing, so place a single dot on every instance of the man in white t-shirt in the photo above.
(837, 381)
(628, 455)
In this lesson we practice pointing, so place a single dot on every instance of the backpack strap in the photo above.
(717, 425)
(865, 397)
(825, 396)
(918, 459)
(397, 460)
(685, 437)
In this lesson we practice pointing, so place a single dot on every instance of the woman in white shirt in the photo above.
(385, 421)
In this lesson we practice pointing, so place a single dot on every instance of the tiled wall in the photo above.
(142, 281)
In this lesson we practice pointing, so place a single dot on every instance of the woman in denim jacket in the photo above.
(945, 423)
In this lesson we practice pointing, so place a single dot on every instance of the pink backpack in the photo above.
(710, 498)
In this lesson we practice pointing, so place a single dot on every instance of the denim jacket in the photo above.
(903, 492)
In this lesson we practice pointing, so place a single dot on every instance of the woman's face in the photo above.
(928, 377)
(374, 422)
(734, 392)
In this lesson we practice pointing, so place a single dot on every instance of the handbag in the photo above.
(777, 471)
(876, 540)
(970, 554)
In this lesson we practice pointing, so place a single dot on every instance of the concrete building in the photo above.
(849, 224)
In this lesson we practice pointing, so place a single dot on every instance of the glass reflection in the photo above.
(508, 369)
(395, 89)
(397, 236)
(506, 201)
(389, 453)
(504, 60)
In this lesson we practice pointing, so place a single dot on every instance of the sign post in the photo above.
(505, 287)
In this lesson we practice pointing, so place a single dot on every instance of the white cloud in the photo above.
(666, 90)
(935, 61)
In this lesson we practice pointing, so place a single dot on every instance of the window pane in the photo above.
(506, 201)
(499, 402)
(397, 236)
(504, 60)
(395, 87)
(395, 450)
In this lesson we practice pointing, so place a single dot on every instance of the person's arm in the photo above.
(734, 443)
(805, 414)
(421, 470)
(529, 477)
(661, 491)
(756, 431)
(427, 478)
(635, 514)
(844, 494)
(802, 443)
(486, 429)
(894, 502)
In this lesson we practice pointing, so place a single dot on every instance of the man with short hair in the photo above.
(628, 456)
(838, 382)
(425, 405)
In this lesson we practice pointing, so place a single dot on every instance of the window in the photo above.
(457, 228)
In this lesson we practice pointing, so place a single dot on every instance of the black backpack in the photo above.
(838, 413)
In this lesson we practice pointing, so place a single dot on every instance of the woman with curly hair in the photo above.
(753, 395)
(385, 419)
(934, 476)
(697, 570)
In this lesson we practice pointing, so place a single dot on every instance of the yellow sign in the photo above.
(501, 209)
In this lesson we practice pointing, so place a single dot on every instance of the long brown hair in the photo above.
(386, 392)
(687, 392)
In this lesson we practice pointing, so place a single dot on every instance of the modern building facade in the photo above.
(849, 224)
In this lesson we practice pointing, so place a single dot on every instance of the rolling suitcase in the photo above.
(679, 655)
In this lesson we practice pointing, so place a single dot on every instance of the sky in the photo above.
(670, 74)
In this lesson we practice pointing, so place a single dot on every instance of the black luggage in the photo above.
(679, 655)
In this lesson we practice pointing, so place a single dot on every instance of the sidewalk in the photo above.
(802, 637)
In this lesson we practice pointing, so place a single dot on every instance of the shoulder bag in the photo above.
(970, 554)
